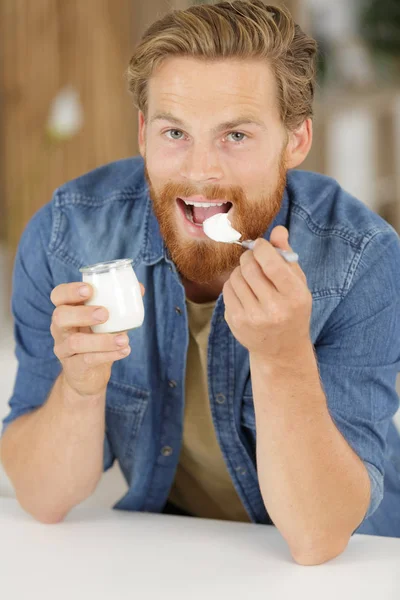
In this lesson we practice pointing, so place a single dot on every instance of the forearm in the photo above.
(54, 455)
(315, 488)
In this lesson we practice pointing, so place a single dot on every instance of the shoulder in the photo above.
(96, 217)
(337, 236)
(122, 178)
(327, 209)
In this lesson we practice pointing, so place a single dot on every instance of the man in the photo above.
(256, 389)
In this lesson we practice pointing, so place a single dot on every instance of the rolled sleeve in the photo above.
(358, 354)
(376, 480)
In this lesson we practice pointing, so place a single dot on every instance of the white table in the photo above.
(107, 554)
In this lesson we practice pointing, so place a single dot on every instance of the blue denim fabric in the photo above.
(351, 258)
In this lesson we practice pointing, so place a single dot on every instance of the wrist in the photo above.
(74, 400)
(298, 358)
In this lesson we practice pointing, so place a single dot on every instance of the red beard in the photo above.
(203, 261)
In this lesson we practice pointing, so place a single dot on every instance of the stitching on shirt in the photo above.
(55, 244)
(143, 250)
(71, 198)
(327, 293)
(368, 237)
(346, 235)
(63, 258)
(56, 226)
(359, 245)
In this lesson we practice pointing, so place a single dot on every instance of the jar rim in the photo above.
(105, 267)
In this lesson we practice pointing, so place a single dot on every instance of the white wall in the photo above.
(351, 146)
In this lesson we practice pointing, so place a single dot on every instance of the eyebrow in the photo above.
(241, 120)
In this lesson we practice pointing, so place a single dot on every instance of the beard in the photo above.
(204, 261)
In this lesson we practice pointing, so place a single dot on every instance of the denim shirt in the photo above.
(351, 258)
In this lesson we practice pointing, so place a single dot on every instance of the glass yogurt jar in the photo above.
(115, 286)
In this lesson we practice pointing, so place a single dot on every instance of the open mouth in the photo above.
(197, 212)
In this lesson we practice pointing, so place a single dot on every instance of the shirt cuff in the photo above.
(376, 479)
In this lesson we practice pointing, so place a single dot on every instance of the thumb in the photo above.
(280, 238)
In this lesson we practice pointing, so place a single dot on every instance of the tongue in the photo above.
(201, 214)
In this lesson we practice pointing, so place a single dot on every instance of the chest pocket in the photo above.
(125, 409)
(248, 418)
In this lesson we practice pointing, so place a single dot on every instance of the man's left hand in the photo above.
(267, 301)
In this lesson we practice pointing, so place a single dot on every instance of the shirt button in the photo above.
(220, 398)
(166, 451)
(172, 383)
(241, 470)
(178, 310)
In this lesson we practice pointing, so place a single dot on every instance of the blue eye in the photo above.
(237, 136)
(175, 134)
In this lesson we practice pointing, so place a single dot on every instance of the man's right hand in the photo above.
(86, 357)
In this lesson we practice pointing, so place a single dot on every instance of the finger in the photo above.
(71, 293)
(95, 359)
(255, 277)
(280, 239)
(66, 317)
(242, 290)
(233, 306)
(280, 273)
(81, 343)
(142, 289)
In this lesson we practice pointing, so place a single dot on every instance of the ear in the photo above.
(299, 144)
(141, 133)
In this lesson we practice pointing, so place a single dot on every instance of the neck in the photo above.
(204, 292)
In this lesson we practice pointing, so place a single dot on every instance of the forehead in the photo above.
(190, 85)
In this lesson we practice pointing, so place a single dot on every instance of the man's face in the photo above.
(212, 135)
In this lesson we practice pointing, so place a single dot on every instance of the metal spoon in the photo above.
(290, 257)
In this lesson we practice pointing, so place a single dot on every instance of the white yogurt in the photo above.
(219, 228)
(115, 286)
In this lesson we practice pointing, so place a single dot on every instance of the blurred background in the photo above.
(65, 109)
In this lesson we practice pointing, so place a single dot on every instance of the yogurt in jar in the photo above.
(116, 287)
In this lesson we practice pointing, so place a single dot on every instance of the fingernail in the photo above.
(125, 350)
(121, 340)
(100, 314)
(84, 291)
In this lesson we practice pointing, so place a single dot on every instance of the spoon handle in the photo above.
(290, 257)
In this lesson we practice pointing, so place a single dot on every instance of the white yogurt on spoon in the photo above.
(219, 228)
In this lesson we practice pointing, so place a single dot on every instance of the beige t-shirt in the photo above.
(202, 485)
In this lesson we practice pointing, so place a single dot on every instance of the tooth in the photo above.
(204, 204)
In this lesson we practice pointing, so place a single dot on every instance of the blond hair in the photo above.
(238, 29)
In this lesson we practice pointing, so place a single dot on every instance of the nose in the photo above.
(201, 164)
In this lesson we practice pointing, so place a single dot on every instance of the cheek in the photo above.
(254, 169)
(255, 179)
(163, 160)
